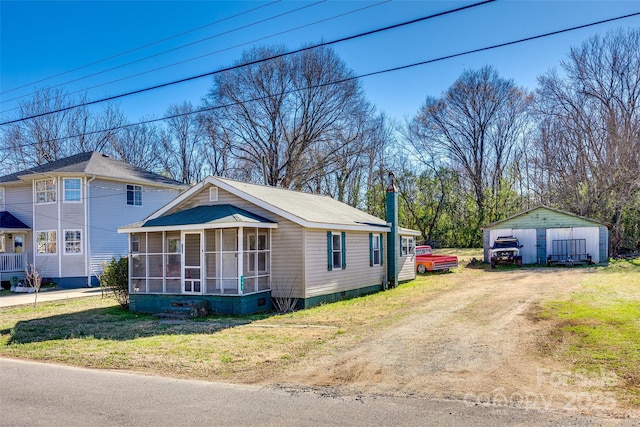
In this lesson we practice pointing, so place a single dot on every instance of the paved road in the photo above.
(37, 394)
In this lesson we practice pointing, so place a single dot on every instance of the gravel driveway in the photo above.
(475, 341)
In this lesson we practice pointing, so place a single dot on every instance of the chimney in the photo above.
(392, 237)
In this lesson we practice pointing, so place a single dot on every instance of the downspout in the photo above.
(392, 236)
(87, 262)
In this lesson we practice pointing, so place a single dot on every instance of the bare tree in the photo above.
(588, 137)
(35, 141)
(475, 128)
(288, 119)
(140, 145)
(185, 144)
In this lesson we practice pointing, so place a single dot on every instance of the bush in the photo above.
(115, 280)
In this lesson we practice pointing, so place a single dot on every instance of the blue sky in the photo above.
(40, 39)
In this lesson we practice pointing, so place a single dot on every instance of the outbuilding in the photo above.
(551, 236)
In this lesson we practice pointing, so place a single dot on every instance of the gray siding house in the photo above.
(235, 245)
(63, 216)
(549, 234)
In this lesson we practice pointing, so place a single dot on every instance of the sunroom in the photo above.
(218, 250)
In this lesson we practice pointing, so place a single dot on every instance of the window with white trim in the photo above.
(1, 198)
(72, 189)
(375, 249)
(73, 242)
(134, 195)
(47, 242)
(336, 250)
(46, 191)
(135, 243)
(213, 194)
(408, 246)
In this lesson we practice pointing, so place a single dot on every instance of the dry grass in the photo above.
(96, 333)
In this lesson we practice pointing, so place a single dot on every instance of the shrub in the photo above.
(115, 280)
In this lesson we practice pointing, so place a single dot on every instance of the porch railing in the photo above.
(13, 262)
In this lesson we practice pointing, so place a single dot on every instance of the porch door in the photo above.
(192, 262)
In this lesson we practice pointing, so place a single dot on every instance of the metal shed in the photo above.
(552, 235)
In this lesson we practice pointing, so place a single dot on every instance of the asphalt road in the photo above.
(38, 394)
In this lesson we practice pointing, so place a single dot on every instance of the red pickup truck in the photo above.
(427, 261)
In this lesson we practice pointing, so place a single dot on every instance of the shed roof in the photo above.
(9, 223)
(542, 216)
(93, 163)
(202, 215)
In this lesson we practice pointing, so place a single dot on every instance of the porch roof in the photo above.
(215, 216)
(9, 223)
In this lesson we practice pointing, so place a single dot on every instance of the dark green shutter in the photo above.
(329, 252)
(344, 250)
(370, 250)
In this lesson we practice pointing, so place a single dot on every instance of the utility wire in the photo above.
(217, 51)
(135, 49)
(361, 76)
(175, 48)
(199, 76)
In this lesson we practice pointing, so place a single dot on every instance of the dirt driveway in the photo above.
(474, 340)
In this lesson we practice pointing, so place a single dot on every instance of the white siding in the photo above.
(357, 274)
(591, 234)
(406, 265)
(19, 202)
(108, 210)
(72, 217)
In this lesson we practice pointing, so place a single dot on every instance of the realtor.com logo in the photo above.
(541, 399)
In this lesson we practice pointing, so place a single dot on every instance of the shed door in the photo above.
(529, 250)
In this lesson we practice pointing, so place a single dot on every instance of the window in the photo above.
(72, 242)
(375, 249)
(46, 191)
(2, 243)
(47, 242)
(72, 188)
(135, 243)
(1, 198)
(408, 247)
(213, 194)
(134, 195)
(173, 245)
(336, 250)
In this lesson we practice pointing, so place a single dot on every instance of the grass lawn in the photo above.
(97, 333)
(597, 330)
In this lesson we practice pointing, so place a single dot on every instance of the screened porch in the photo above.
(215, 261)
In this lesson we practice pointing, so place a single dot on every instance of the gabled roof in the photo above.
(93, 163)
(493, 224)
(9, 223)
(307, 210)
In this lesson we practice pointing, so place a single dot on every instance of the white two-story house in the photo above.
(63, 216)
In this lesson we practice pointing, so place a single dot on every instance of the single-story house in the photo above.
(549, 235)
(235, 245)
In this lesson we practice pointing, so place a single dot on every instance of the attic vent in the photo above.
(213, 194)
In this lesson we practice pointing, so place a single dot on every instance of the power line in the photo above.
(361, 76)
(175, 48)
(215, 52)
(135, 49)
(199, 76)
